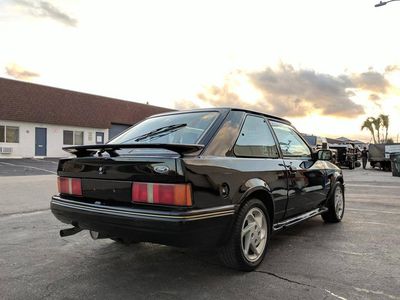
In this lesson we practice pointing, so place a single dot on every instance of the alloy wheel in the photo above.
(254, 234)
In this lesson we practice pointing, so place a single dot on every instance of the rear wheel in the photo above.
(336, 205)
(247, 245)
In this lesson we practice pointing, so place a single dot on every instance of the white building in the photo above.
(37, 121)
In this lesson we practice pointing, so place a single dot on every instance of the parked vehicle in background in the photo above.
(347, 155)
(224, 178)
(379, 155)
(318, 142)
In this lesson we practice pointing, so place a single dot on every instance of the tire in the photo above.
(335, 205)
(252, 224)
(124, 241)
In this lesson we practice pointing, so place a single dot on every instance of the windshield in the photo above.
(185, 128)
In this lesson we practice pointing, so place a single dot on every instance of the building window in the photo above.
(78, 137)
(9, 134)
(73, 137)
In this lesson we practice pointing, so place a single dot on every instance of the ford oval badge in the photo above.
(161, 169)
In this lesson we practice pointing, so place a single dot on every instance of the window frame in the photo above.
(279, 155)
(73, 137)
(298, 134)
(5, 134)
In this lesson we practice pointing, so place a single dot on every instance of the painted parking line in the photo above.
(30, 167)
(375, 211)
(374, 186)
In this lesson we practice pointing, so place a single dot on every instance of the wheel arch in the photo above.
(264, 195)
(337, 178)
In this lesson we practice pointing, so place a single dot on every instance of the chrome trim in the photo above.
(300, 218)
(191, 215)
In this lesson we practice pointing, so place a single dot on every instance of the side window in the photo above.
(290, 142)
(255, 139)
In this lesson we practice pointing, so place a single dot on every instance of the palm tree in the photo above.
(385, 124)
(377, 123)
(369, 125)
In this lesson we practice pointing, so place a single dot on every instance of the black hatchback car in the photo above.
(226, 178)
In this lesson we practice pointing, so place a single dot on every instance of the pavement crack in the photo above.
(285, 279)
(302, 284)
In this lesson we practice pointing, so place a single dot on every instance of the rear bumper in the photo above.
(194, 228)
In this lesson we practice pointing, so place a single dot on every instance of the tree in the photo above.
(369, 125)
(374, 125)
(385, 124)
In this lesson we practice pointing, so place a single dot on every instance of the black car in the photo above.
(226, 178)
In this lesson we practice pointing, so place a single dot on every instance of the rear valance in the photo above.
(88, 150)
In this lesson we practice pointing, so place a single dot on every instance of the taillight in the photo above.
(70, 186)
(161, 193)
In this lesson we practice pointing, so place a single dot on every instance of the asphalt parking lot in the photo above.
(356, 259)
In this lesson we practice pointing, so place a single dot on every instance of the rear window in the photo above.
(185, 128)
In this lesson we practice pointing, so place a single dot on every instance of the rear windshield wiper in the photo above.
(157, 132)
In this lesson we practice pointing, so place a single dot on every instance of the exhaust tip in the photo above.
(69, 231)
(98, 235)
(94, 234)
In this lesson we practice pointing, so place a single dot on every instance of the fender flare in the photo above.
(253, 186)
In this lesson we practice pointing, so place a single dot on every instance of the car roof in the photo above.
(224, 109)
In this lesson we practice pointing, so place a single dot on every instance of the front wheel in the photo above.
(336, 205)
(247, 245)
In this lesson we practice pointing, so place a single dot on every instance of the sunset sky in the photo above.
(324, 65)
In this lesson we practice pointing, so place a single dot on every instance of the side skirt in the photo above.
(298, 219)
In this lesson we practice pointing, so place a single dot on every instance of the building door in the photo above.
(99, 138)
(116, 129)
(40, 141)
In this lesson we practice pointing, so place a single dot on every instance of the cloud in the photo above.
(374, 98)
(46, 9)
(291, 92)
(18, 72)
(371, 80)
(392, 68)
(294, 93)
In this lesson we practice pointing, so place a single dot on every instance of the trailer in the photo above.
(379, 155)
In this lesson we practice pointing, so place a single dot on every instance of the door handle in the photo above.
(289, 167)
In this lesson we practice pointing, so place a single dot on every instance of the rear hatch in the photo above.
(110, 178)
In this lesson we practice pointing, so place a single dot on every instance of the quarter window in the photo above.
(290, 142)
(72, 137)
(255, 139)
(9, 134)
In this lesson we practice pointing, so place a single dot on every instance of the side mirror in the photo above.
(324, 155)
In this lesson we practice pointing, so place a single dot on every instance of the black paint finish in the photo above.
(289, 187)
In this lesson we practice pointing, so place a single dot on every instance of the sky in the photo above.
(324, 65)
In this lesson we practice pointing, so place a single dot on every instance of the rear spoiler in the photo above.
(89, 150)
